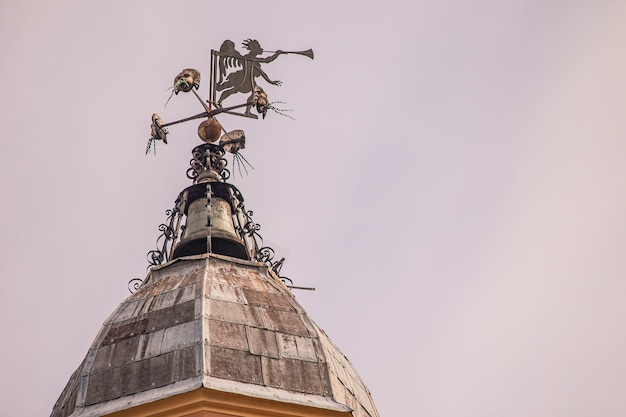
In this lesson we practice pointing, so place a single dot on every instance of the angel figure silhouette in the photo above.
(243, 79)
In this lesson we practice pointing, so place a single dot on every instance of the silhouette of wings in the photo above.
(229, 57)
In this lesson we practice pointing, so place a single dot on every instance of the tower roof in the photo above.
(220, 325)
(213, 325)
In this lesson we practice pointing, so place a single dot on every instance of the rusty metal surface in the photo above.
(228, 335)
(226, 321)
(262, 342)
(236, 365)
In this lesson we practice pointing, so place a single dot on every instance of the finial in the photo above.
(232, 74)
(210, 216)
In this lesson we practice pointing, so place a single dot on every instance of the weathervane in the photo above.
(231, 74)
(216, 219)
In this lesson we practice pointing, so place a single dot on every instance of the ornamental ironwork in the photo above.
(232, 75)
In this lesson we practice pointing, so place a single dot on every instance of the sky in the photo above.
(452, 186)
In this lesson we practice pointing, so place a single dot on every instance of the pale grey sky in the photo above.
(453, 187)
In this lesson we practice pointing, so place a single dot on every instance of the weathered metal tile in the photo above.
(184, 363)
(155, 372)
(325, 379)
(129, 382)
(362, 411)
(296, 347)
(218, 274)
(235, 313)
(177, 280)
(280, 301)
(170, 283)
(192, 277)
(168, 317)
(336, 366)
(226, 269)
(292, 374)
(236, 365)
(124, 330)
(148, 305)
(285, 322)
(262, 342)
(340, 372)
(180, 336)
(350, 401)
(237, 281)
(71, 403)
(111, 356)
(229, 335)
(274, 300)
(360, 392)
(125, 311)
(145, 305)
(253, 283)
(102, 386)
(351, 371)
(339, 392)
(87, 363)
(308, 323)
(319, 351)
(141, 374)
(165, 299)
(224, 292)
(150, 344)
(186, 293)
(257, 298)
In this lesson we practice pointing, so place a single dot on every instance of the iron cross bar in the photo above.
(206, 114)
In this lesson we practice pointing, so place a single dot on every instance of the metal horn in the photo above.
(307, 53)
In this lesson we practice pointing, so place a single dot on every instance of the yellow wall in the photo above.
(205, 402)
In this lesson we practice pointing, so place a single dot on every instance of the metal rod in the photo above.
(294, 287)
(209, 193)
(212, 77)
(206, 114)
(179, 218)
(207, 108)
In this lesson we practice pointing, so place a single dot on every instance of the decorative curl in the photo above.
(285, 279)
(155, 257)
(134, 284)
(265, 254)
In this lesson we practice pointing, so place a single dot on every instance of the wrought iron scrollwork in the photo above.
(208, 159)
(134, 284)
(287, 281)
(250, 228)
(160, 254)
(265, 254)
(169, 233)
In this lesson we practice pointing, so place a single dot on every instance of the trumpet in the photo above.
(307, 53)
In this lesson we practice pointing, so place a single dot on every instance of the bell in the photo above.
(224, 240)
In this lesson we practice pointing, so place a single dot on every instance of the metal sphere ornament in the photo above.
(210, 130)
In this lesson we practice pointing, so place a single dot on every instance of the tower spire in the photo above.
(212, 331)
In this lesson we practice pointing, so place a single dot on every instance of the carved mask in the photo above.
(186, 80)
